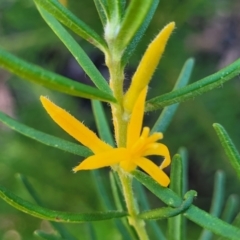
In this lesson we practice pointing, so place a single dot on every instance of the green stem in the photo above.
(113, 61)
(138, 224)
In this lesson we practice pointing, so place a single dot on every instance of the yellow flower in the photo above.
(138, 147)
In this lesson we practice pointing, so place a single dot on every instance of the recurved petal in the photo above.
(160, 150)
(136, 119)
(153, 170)
(74, 127)
(104, 159)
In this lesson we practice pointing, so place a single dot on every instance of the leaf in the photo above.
(193, 213)
(78, 53)
(140, 32)
(102, 123)
(140, 11)
(153, 227)
(107, 201)
(47, 236)
(45, 138)
(49, 79)
(57, 226)
(167, 114)
(71, 21)
(169, 212)
(195, 89)
(217, 201)
(57, 216)
(231, 208)
(102, 10)
(229, 147)
(176, 225)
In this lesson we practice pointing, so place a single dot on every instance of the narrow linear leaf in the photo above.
(49, 79)
(102, 123)
(56, 216)
(92, 234)
(176, 175)
(45, 138)
(120, 7)
(151, 225)
(236, 223)
(115, 192)
(71, 21)
(217, 202)
(129, 27)
(47, 236)
(57, 226)
(78, 53)
(165, 194)
(176, 227)
(229, 147)
(102, 11)
(212, 223)
(167, 114)
(184, 156)
(197, 88)
(169, 212)
(194, 214)
(231, 208)
(108, 203)
(140, 32)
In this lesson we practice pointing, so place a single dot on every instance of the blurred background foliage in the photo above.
(209, 31)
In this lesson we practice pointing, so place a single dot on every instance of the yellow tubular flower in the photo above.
(139, 145)
(147, 66)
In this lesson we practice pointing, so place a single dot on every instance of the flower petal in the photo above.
(136, 119)
(153, 170)
(160, 150)
(74, 127)
(104, 159)
(147, 66)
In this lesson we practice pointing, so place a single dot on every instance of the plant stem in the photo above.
(113, 61)
(138, 224)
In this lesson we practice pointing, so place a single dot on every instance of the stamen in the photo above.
(145, 132)
(154, 137)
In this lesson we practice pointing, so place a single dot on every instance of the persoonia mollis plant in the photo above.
(134, 144)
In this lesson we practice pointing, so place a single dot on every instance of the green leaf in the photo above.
(47, 236)
(140, 11)
(229, 147)
(101, 7)
(167, 114)
(57, 226)
(140, 32)
(108, 203)
(195, 89)
(169, 212)
(91, 232)
(102, 123)
(176, 227)
(217, 201)
(115, 192)
(231, 208)
(49, 79)
(71, 21)
(184, 156)
(44, 138)
(193, 213)
(56, 216)
(153, 227)
(78, 53)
